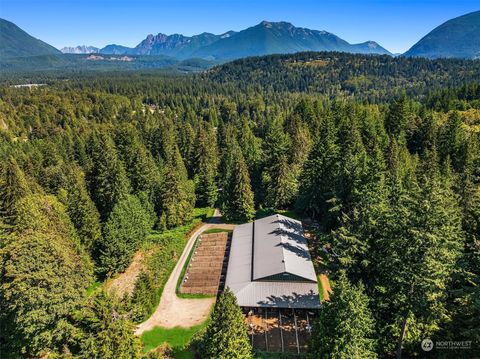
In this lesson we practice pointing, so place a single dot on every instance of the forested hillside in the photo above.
(381, 154)
(367, 78)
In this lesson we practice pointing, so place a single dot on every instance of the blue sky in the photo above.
(395, 24)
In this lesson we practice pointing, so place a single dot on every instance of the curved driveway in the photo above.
(173, 311)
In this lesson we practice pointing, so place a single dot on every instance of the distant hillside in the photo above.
(372, 78)
(80, 50)
(14, 42)
(263, 39)
(116, 50)
(84, 62)
(369, 47)
(459, 37)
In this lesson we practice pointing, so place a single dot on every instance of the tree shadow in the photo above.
(303, 301)
(294, 231)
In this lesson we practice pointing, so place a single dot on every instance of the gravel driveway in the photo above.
(179, 312)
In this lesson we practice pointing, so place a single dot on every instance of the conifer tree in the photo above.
(205, 163)
(398, 117)
(345, 326)
(144, 297)
(74, 195)
(141, 170)
(354, 242)
(226, 335)
(452, 141)
(278, 178)
(106, 176)
(418, 246)
(126, 228)
(353, 162)
(108, 333)
(318, 178)
(237, 196)
(250, 144)
(282, 184)
(13, 186)
(300, 146)
(177, 193)
(186, 145)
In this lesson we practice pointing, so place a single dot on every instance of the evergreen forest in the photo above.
(380, 155)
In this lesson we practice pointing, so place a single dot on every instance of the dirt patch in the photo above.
(326, 286)
(124, 283)
(3, 125)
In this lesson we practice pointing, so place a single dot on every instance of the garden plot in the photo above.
(205, 268)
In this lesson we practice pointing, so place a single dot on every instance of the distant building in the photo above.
(270, 266)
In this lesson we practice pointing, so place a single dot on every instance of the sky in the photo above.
(394, 24)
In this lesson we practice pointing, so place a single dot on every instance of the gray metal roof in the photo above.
(280, 246)
(283, 243)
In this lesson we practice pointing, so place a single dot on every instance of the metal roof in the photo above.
(271, 246)
(280, 247)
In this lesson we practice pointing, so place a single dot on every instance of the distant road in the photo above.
(173, 311)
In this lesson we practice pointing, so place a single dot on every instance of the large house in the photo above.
(270, 265)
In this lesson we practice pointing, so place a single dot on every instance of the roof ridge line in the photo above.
(280, 225)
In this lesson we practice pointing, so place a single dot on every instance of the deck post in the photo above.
(280, 326)
(308, 325)
(250, 326)
(266, 328)
(296, 330)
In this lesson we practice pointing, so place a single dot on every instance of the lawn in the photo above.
(265, 212)
(93, 288)
(217, 230)
(324, 292)
(266, 355)
(177, 337)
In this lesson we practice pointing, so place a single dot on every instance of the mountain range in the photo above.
(459, 37)
(82, 49)
(263, 39)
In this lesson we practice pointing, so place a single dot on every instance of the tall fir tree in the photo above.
(125, 230)
(226, 336)
(279, 179)
(205, 163)
(71, 190)
(345, 326)
(398, 117)
(13, 187)
(140, 166)
(177, 193)
(318, 178)
(106, 176)
(418, 246)
(108, 334)
(237, 197)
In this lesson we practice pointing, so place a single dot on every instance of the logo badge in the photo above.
(427, 345)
